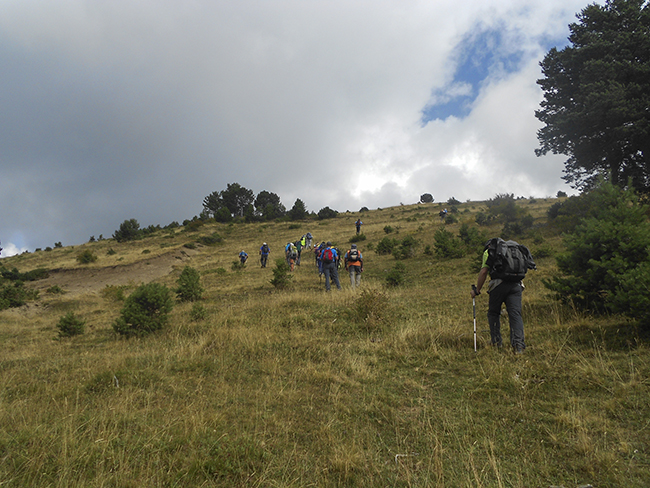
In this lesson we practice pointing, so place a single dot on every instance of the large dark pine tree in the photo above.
(596, 106)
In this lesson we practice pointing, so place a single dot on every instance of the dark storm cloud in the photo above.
(118, 110)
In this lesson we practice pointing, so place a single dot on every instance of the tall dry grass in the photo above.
(375, 387)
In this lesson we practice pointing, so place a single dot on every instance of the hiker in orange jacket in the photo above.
(354, 265)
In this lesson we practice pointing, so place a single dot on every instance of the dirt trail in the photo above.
(79, 281)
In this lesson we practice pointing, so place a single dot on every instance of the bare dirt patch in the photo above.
(78, 281)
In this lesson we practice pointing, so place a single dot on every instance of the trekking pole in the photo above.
(474, 307)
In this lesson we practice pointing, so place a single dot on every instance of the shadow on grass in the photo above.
(616, 336)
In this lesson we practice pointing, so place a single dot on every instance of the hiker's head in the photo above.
(329, 244)
(264, 243)
(354, 246)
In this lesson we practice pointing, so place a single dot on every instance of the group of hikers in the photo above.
(327, 258)
(506, 263)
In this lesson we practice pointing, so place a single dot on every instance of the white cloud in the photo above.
(10, 249)
(117, 110)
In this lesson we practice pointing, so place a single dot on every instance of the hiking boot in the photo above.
(519, 350)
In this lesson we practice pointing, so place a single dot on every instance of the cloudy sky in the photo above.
(112, 110)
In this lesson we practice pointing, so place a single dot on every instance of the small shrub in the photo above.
(395, 276)
(114, 293)
(543, 252)
(371, 309)
(281, 277)
(386, 246)
(211, 240)
(357, 238)
(86, 257)
(451, 219)
(33, 275)
(198, 312)
(189, 285)
(15, 295)
(237, 265)
(406, 248)
(427, 250)
(483, 218)
(511, 230)
(388, 229)
(447, 246)
(294, 226)
(194, 225)
(55, 289)
(111, 252)
(477, 262)
(189, 245)
(70, 325)
(146, 310)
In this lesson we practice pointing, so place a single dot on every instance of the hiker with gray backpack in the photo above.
(507, 263)
(354, 265)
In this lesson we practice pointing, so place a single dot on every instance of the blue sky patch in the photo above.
(477, 57)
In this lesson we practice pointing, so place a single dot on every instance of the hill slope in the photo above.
(266, 387)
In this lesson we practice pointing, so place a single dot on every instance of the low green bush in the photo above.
(406, 248)
(281, 277)
(70, 325)
(371, 309)
(146, 310)
(396, 276)
(211, 240)
(15, 295)
(357, 238)
(386, 246)
(448, 246)
(86, 257)
(198, 312)
(189, 285)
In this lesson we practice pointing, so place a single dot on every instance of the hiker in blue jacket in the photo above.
(328, 259)
(358, 223)
(265, 250)
(243, 257)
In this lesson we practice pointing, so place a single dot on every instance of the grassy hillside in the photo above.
(296, 387)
